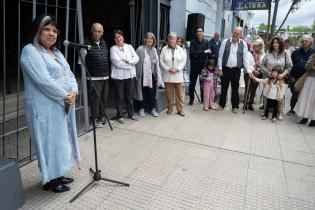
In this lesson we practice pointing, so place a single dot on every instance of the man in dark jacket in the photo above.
(199, 52)
(299, 59)
(97, 62)
(215, 44)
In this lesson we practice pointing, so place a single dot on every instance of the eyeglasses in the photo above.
(49, 30)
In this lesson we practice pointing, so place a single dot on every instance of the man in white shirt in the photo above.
(233, 55)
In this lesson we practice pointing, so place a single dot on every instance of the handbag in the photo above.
(288, 79)
(300, 82)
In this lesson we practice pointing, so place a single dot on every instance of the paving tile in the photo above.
(301, 190)
(205, 160)
(265, 190)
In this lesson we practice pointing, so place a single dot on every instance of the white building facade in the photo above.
(212, 9)
(217, 16)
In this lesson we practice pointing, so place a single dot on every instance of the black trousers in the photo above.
(149, 94)
(124, 88)
(195, 70)
(271, 104)
(101, 89)
(252, 89)
(294, 97)
(230, 75)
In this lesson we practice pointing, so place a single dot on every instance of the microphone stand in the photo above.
(97, 173)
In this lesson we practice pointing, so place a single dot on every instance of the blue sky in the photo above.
(304, 16)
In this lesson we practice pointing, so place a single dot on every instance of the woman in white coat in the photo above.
(173, 60)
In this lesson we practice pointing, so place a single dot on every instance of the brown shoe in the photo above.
(235, 110)
(169, 111)
(219, 108)
(133, 118)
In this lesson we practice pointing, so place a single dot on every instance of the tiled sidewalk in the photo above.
(206, 160)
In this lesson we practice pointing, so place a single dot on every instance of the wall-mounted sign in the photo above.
(251, 4)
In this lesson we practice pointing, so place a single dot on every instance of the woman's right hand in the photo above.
(173, 70)
(71, 98)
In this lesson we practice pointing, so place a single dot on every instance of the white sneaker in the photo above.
(104, 121)
(98, 124)
(154, 113)
(280, 117)
(141, 113)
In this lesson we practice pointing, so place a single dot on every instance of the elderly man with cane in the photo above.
(233, 55)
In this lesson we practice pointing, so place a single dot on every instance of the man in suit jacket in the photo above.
(199, 52)
(215, 44)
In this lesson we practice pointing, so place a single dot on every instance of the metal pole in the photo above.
(268, 24)
(45, 6)
(56, 11)
(18, 83)
(4, 77)
(34, 9)
(158, 38)
(132, 20)
(273, 26)
(67, 28)
(83, 75)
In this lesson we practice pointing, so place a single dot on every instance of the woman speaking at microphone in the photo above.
(49, 94)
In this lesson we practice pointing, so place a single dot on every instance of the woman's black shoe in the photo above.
(46, 186)
(303, 121)
(312, 123)
(57, 188)
(60, 188)
(65, 180)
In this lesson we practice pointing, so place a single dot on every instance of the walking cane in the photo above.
(246, 96)
(197, 96)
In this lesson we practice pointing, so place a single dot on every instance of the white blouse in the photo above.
(169, 60)
(120, 69)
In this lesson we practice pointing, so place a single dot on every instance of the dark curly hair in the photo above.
(281, 44)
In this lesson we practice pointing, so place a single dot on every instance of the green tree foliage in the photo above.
(301, 29)
(294, 6)
(263, 27)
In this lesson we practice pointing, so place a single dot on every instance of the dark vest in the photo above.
(226, 53)
(97, 59)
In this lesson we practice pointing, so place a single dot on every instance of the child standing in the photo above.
(208, 76)
(274, 92)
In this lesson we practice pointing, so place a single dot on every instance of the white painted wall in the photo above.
(177, 17)
(180, 9)
(231, 22)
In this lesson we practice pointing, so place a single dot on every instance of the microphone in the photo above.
(66, 43)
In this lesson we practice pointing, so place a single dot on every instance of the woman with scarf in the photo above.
(148, 75)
